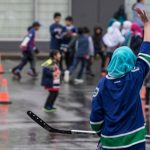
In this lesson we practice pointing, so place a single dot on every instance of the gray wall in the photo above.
(94, 12)
(9, 46)
(85, 13)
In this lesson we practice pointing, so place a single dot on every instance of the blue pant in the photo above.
(76, 62)
(28, 56)
(140, 146)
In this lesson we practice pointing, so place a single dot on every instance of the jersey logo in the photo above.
(135, 69)
(96, 92)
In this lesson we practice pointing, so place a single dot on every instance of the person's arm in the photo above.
(146, 22)
(145, 48)
(143, 61)
(27, 39)
(97, 114)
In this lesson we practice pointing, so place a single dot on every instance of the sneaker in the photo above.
(78, 81)
(16, 73)
(67, 76)
(49, 110)
(30, 73)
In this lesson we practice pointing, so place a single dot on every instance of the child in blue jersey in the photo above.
(116, 114)
(51, 79)
(56, 32)
(28, 50)
(70, 32)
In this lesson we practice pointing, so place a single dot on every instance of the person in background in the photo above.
(28, 50)
(126, 32)
(97, 39)
(56, 31)
(110, 22)
(51, 79)
(117, 115)
(136, 18)
(70, 32)
(113, 39)
(136, 38)
(147, 86)
(91, 52)
(120, 15)
(56, 34)
(81, 55)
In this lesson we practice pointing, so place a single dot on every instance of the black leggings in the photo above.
(51, 99)
(102, 55)
(27, 57)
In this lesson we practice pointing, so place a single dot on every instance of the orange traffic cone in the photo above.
(1, 66)
(4, 95)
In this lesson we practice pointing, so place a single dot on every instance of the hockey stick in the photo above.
(50, 129)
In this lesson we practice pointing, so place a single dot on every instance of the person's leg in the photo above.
(102, 59)
(67, 59)
(55, 95)
(23, 62)
(51, 99)
(83, 64)
(89, 64)
(108, 59)
(61, 62)
(72, 55)
(74, 65)
(32, 61)
(16, 70)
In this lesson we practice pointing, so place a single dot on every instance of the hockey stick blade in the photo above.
(50, 129)
(44, 125)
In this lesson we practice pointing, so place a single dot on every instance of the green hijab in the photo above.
(123, 61)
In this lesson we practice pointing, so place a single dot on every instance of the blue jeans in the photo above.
(27, 57)
(76, 62)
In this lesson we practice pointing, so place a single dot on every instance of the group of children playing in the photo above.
(116, 114)
(68, 43)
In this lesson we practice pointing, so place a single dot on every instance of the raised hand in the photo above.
(142, 15)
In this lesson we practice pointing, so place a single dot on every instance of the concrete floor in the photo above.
(19, 132)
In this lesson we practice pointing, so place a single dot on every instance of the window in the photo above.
(17, 15)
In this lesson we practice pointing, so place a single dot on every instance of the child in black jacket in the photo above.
(51, 79)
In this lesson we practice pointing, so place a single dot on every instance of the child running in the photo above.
(28, 49)
(116, 114)
(81, 55)
(51, 79)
